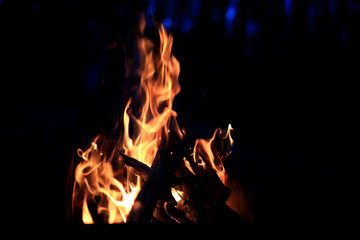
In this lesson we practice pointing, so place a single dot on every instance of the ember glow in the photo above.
(103, 184)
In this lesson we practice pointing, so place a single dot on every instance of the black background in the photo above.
(282, 73)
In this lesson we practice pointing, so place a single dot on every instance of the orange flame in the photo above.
(156, 112)
(114, 191)
(96, 177)
(101, 178)
(204, 156)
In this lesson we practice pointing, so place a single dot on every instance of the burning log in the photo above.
(202, 201)
(140, 168)
(205, 193)
(155, 186)
(114, 182)
(221, 146)
(210, 180)
(177, 214)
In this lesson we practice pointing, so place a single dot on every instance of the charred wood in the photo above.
(210, 181)
(156, 186)
(140, 168)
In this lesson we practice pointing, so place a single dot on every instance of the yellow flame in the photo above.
(115, 191)
(177, 194)
(146, 127)
(86, 217)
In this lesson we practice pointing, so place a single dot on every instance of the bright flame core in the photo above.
(114, 191)
(103, 184)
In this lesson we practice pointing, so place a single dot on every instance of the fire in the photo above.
(158, 86)
(205, 154)
(96, 179)
(86, 218)
(114, 192)
(103, 185)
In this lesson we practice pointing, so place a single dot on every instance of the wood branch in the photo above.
(221, 147)
(192, 203)
(160, 215)
(156, 185)
(177, 215)
(148, 196)
(140, 168)
(210, 180)
(204, 193)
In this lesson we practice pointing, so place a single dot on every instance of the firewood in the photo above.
(140, 168)
(155, 186)
(160, 214)
(205, 195)
(210, 180)
(148, 196)
(192, 203)
(221, 147)
(176, 214)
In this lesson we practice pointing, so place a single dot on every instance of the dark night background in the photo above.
(282, 72)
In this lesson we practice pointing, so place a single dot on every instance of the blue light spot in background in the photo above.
(167, 23)
(186, 26)
(288, 7)
(230, 14)
(311, 17)
(151, 8)
(312, 11)
(332, 7)
(251, 27)
(196, 8)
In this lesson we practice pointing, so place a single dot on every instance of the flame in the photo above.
(158, 86)
(177, 194)
(205, 155)
(146, 122)
(95, 176)
(86, 218)
(103, 184)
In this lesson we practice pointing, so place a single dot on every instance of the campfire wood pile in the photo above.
(157, 171)
(203, 195)
(172, 192)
